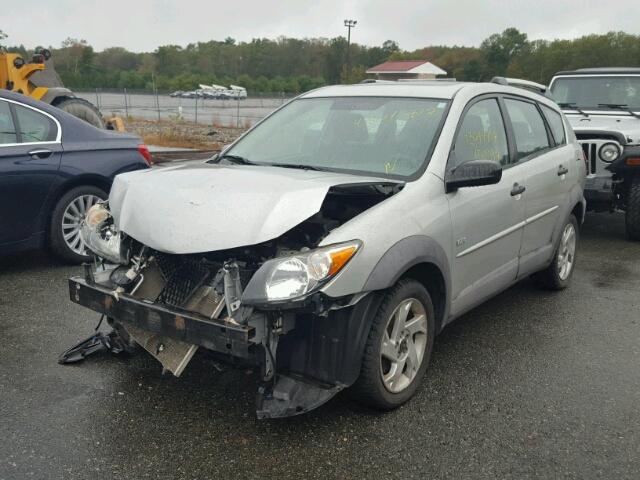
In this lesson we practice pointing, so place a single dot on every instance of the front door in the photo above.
(487, 221)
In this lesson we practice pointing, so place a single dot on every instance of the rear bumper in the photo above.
(188, 327)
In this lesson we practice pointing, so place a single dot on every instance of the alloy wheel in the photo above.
(567, 252)
(72, 219)
(404, 343)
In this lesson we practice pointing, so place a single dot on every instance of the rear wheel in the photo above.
(82, 109)
(64, 231)
(632, 215)
(557, 276)
(399, 347)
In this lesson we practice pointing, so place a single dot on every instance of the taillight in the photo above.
(146, 154)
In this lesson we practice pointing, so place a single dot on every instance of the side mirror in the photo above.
(474, 173)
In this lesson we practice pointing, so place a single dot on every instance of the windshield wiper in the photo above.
(298, 166)
(620, 106)
(573, 106)
(237, 159)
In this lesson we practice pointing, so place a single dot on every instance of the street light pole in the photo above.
(349, 24)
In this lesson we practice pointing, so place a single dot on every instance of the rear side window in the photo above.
(7, 128)
(555, 122)
(482, 135)
(34, 126)
(528, 128)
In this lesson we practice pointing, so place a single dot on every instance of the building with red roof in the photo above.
(395, 69)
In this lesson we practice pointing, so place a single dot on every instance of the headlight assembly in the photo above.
(609, 152)
(99, 235)
(293, 277)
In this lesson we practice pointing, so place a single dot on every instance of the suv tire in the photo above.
(63, 248)
(632, 215)
(557, 275)
(410, 342)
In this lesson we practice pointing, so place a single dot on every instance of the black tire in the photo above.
(370, 389)
(632, 215)
(57, 243)
(82, 109)
(550, 278)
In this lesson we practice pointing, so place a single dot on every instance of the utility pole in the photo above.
(349, 24)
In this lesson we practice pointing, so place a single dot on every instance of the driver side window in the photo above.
(482, 135)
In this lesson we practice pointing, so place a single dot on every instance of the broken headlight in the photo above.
(295, 276)
(100, 236)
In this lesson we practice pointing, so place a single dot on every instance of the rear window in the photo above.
(34, 126)
(7, 129)
(555, 122)
(528, 128)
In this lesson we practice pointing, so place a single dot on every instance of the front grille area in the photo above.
(590, 148)
(183, 276)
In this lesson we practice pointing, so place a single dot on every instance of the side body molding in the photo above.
(407, 253)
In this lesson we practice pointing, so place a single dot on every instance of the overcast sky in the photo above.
(143, 25)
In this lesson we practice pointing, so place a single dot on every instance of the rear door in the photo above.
(544, 161)
(487, 221)
(30, 153)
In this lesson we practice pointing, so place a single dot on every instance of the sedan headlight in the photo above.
(609, 152)
(293, 277)
(100, 236)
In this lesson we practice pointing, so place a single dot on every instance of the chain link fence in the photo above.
(238, 113)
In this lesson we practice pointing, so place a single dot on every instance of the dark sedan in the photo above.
(53, 167)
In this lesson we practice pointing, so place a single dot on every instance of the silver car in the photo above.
(331, 243)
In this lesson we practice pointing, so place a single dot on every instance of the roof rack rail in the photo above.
(521, 83)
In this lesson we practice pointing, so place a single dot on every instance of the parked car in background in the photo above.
(53, 168)
(603, 106)
(332, 242)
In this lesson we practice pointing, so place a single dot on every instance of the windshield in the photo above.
(595, 92)
(365, 135)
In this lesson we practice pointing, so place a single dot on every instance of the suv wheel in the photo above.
(64, 231)
(398, 348)
(632, 216)
(558, 274)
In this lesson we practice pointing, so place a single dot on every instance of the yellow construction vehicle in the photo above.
(37, 79)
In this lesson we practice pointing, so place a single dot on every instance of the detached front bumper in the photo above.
(292, 393)
(188, 327)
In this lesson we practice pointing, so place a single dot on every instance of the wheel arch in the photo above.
(422, 258)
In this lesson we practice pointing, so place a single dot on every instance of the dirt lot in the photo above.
(183, 134)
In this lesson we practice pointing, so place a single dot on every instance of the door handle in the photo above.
(517, 189)
(40, 153)
(562, 170)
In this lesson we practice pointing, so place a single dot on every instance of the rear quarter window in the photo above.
(554, 119)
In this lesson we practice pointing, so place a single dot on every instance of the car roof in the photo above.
(601, 71)
(439, 89)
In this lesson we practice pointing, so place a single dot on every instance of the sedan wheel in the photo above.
(66, 219)
(72, 219)
(404, 342)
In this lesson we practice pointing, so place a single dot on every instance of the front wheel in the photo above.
(558, 274)
(398, 348)
(64, 231)
(632, 215)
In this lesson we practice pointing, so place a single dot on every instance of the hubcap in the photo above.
(567, 251)
(71, 221)
(403, 345)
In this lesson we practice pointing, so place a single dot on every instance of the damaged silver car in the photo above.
(332, 242)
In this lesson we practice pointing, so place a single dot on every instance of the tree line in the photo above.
(293, 65)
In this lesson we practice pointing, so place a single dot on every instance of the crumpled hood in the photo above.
(194, 208)
(626, 125)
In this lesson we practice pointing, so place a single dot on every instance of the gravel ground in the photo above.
(530, 385)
